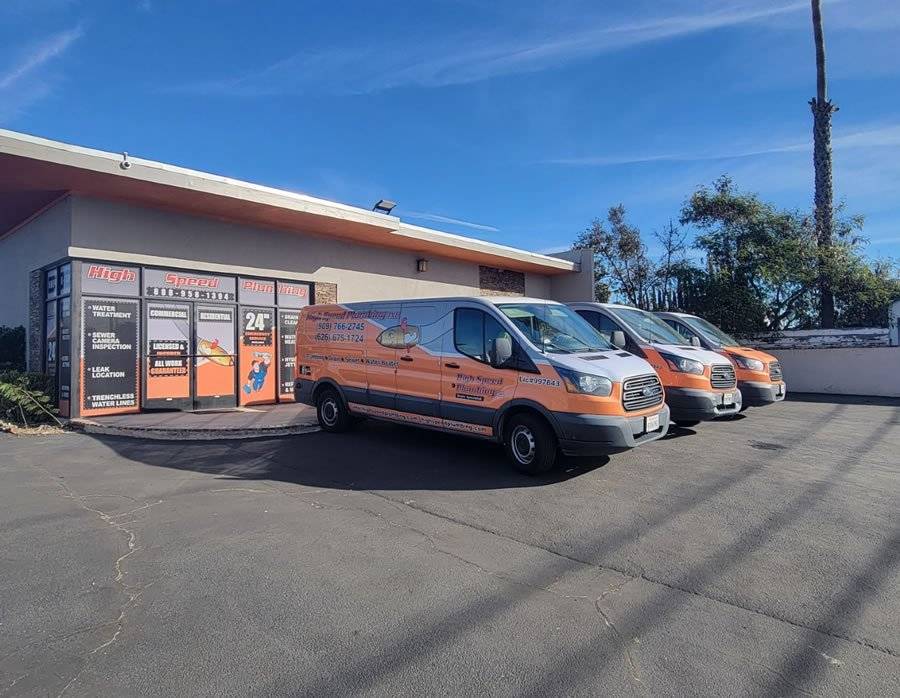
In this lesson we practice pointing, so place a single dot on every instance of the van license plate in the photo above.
(780, 389)
(652, 423)
(727, 398)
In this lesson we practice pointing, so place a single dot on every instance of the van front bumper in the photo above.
(758, 393)
(691, 404)
(595, 434)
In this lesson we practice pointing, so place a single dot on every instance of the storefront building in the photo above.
(147, 286)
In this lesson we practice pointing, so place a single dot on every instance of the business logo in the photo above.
(288, 290)
(650, 391)
(111, 275)
(258, 286)
(191, 281)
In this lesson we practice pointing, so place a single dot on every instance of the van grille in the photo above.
(775, 371)
(722, 376)
(641, 392)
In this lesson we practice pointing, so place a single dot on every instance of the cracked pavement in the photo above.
(758, 556)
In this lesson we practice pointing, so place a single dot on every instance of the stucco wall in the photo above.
(41, 241)
(570, 288)
(852, 371)
(361, 272)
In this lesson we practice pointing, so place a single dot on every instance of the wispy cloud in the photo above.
(434, 218)
(463, 59)
(883, 136)
(23, 83)
(46, 51)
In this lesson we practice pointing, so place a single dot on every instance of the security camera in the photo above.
(125, 164)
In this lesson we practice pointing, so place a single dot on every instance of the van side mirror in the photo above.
(618, 339)
(502, 352)
(695, 340)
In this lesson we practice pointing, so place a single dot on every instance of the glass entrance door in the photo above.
(167, 378)
(214, 356)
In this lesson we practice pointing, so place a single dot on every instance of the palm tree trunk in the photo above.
(822, 110)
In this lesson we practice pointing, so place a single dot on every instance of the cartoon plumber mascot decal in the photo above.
(259, 369)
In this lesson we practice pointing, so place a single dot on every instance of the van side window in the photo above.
(681, 328)
(601, 323)
(474, 332)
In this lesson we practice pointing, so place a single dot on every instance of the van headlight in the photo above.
(747, 363)
(682, 365)
(585, 383)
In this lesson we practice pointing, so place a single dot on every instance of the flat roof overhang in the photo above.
(34, 172)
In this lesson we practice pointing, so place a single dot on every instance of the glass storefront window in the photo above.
(50, 282)
(50, 343)
(64, 280)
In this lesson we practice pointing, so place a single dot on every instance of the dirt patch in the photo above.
(39, 430)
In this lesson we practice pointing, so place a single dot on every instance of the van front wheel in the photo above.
(530, 444)
(331, 411)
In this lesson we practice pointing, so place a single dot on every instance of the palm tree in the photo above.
(822, 110)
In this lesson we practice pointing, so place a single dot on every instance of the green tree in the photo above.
(756, 249)
(12, 348)
(621, 263)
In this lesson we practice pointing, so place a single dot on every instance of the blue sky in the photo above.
(512, 121)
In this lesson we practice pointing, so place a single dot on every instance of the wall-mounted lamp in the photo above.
(421, 265)
(384, 206)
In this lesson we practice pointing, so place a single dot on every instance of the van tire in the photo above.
(686, 423)
(331, 411)
(530, 444)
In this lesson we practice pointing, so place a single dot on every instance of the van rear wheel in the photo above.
(331, 411)
(530, 444)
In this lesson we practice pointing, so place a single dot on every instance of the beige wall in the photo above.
(860, 371)
(361, 272)
(579, 286)
(41, 241)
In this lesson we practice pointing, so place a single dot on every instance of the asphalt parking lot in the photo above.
(759, 556)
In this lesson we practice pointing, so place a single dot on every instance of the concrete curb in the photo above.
(155, 434)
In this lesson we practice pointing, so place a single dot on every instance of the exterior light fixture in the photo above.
(421, 265)
(384, 206)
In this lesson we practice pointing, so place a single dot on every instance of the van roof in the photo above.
(672, 312)
(486, 300)
(606, 305)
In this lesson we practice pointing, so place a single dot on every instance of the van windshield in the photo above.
(711, 331)
(649, 327)
(556, 329)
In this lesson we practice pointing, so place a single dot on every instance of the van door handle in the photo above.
(406, 358)
(451, 365)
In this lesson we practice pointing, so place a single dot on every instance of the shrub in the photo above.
(27, 398)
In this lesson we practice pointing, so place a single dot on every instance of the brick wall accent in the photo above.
(35, 333)
(500, 282)
(324, 293)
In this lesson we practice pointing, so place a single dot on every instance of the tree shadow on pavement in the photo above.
(386, 457)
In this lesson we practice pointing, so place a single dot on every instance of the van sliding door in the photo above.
(421, 331)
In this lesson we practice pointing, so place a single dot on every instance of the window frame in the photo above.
(484, 315)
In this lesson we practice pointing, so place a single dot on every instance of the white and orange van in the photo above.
(759, 374)
(700, 384)
(528, 373)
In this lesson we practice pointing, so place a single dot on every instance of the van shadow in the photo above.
(373, 456)
(677, 432)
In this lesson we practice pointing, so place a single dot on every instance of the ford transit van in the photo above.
(530, 374)
(759, 374)
(700, 384)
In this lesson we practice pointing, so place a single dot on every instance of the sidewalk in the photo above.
(238, 423)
